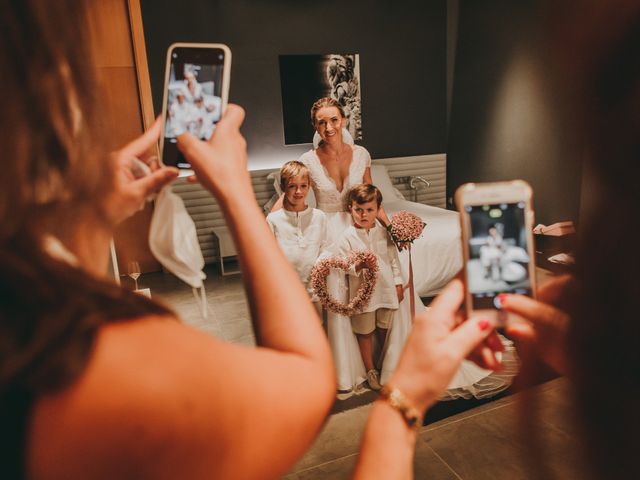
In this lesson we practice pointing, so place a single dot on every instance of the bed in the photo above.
(436, 255)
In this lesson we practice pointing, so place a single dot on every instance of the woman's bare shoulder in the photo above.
(161, 399)
(142, 391)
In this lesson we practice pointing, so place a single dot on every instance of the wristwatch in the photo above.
(395, 398)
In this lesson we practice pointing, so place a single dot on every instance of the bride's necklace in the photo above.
(335, 156)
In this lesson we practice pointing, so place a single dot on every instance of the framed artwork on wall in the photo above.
(306, 78)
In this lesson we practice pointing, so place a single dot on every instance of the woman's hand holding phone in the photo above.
(196, 90)
(547, 330)
(496, 222)
(220, 164)
(132, 184)
(438, 343)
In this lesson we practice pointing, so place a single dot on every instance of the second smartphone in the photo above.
(196, 92)
(496, 222)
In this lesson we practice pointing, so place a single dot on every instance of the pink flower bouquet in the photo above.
(405, 227)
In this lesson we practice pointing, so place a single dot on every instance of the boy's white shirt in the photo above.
(389, 274)
(301, 236)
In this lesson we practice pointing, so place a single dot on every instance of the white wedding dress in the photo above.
(469, 381)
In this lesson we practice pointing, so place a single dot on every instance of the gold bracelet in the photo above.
(398, 401)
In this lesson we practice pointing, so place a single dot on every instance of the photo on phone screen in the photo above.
(194, 98)
(498, 258)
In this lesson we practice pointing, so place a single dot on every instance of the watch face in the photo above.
(412, 420)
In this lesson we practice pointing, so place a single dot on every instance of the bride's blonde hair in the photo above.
(322, 103)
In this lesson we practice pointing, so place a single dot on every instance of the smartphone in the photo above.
(496, 221)
(196, 91)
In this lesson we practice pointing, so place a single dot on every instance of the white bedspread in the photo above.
(437, 255)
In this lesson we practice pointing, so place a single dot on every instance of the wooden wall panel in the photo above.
(109, 23)
(131, 240)
(114, 57)
(123, 119)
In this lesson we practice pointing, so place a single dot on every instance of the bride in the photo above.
(335, 166)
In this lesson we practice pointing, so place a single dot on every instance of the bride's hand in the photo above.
(403, 245)
(399, 245)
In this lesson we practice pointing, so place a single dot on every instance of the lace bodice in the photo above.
(328, 198)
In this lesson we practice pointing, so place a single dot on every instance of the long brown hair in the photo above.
(49, 122)
(604, 338)
(596, 48)
(54, 167)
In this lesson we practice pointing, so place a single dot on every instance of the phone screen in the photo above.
(194, 98)
(498, 253)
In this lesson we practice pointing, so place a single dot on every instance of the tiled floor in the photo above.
(481, 443)
(227, 310)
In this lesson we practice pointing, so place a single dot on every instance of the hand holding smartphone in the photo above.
(496, 221)
(196, 92)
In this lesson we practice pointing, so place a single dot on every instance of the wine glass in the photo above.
(133, 270)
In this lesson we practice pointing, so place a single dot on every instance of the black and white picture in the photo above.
(306, 78)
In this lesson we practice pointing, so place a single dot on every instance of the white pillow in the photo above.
(269, 205)
(381, 179)
(275, 176)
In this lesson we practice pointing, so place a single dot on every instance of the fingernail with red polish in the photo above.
(483, 324)
(502, 298)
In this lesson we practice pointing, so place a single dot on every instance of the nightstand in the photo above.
(226, 249)
(548, 245)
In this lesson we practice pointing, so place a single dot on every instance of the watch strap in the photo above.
(394, 397)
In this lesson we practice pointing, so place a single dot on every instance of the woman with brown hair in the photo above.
(585, 327)
(99, 382)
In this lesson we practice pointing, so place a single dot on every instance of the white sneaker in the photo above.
(372, 380)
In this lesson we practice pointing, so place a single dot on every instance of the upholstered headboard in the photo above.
(206, 213)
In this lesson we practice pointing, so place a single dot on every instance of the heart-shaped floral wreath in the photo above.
(320, 272)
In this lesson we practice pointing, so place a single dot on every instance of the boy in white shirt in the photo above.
(365, 234)
(300, 230)
(179, 115)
